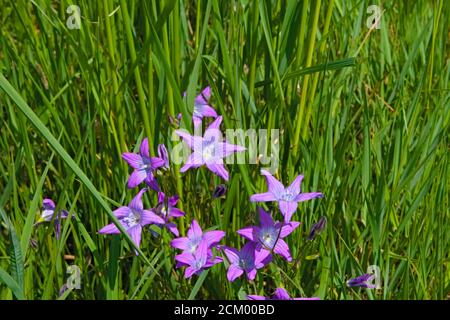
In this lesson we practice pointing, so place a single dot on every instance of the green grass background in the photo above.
(364, 115)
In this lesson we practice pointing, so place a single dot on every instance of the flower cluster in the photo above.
(199, 248)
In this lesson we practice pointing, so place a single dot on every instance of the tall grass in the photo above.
(364, 115)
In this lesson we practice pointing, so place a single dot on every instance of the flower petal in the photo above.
(188, 138)
(148, 217)
(265, 218)
(294, 188)
(175, 212)
(185, 258)
(287, 208)
(151, 181)
(215, 125)
(109, 229)
(194, 232)
(251, 274)
(143, 149)
(135, 234)
(282, 249)
(136, 177)
(262, 258)
(213, 237)
(218, 169)
(48, 204)
(206, 110)
(172, 227)
(189, 272)
(194, 160)
(281, 294)
(263, 197)
(122, 212)
(234, 272)
(180, 243)
(308, 196)
(232, 254)
(274, 186)
(136, 202)
(248, 232)
(287, 228)
(134, 160)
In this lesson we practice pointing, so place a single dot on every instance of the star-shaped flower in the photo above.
(247, 260)
(269, 235)
(209, 149)
(143, 166)
(133, 218)
(287, 198)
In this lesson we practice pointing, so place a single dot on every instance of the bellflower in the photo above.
(195, 235)
(202, 107)
(133, 218)
(269, 235)
(219, 191)
(167, 209)
(164, 155)
(248, 260)
(280, 294)
(48, 213)
(363, 281)
(208, 149)
(197, 261)
(287, 198)
(143, 166)
(317, 228)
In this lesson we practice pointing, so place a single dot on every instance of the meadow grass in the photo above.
(364, 115)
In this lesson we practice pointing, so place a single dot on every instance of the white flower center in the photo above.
(132, 220)
(287, 196)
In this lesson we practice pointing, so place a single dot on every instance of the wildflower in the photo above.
(143, 166)
(202, 108)
(280, 294)
(287, 198)
(195, 235)
(167, 209)
(317, 228)
(197, 261)
(133, 218)
(163, 154)
(248, 260)
(220, 191)
(48, 214)
(209, 150)
(363, 281)
(269, 235)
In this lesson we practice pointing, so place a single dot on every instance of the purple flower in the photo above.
(280, 294)
(164, 155)
(202, 107)
(220, 191)
(48, 214)
(195, 235)
(287, 198)
(269, 235)
(248, 260)
(143, 166)
(167, 210)
(363, 281)
(209, 150)
(197, 261)
(317, 228)
(133, 218)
